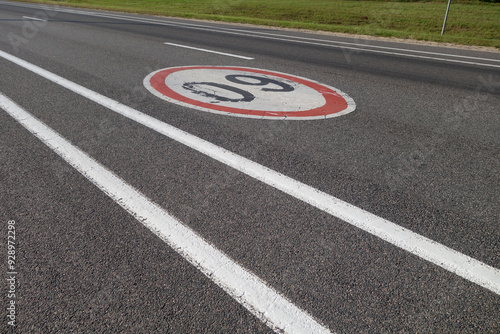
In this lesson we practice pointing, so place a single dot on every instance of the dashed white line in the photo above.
(209, 51)
(249, 290)
(442, 256)
(33, 18)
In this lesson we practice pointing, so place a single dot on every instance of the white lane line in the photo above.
(297, 39)
(210, 51)
(261, 300)
(33, 18)
(445, 257)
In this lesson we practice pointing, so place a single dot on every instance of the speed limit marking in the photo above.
(248, 92)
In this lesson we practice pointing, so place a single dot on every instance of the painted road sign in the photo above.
(248, 92)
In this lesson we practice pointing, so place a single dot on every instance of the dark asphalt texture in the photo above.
(422, 149)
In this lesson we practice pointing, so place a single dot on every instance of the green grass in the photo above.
(470, 22)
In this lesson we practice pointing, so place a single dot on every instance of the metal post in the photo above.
(446, 16)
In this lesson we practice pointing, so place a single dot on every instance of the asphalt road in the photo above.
(421, 150)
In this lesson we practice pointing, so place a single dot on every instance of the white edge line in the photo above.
(210, 51)
(298, 39)
(261, 300)
(442, 256)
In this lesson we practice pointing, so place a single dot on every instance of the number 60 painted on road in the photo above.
(246, 95)
(248, 92)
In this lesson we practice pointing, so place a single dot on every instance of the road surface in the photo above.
(127, 212)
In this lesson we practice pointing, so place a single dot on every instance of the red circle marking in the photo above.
(335, 103)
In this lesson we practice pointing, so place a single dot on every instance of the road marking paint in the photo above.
(248, 92)
(33, 18)
(210, 51)
(462, 265)
(261, 300)
(286, 38)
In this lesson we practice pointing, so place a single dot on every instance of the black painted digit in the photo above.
(194, 87)
(262, 82)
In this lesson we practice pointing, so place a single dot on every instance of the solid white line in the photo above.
(296, 39)
(210, 51)
(33, 18)
(249, 290)
(445, 257)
